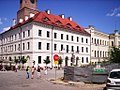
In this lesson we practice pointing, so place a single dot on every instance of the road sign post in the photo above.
(56, 58)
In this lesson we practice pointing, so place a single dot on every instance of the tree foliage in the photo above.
(60, 61)
(115, 55)
(16, 60)
(47, 61)
(23, 60)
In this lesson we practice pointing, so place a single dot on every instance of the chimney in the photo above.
(20, 20)
(14, 22)
(70, 18)
(26, 18)
(47, 11)
(62, 16)
(31, 15)
(91, 26)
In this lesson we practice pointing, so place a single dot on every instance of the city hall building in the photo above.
(37, 36)
(40, 35)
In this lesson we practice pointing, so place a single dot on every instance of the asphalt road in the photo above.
(10, 80)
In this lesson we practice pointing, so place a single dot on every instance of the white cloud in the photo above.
(118, 15)
(114, 12)
(6, 28)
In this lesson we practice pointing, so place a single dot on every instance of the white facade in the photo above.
(101, 44)
(36, 45)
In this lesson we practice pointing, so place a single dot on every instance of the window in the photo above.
(19, 36)
(67, 37)
(82, 40)
(77, 49)
(48, 46)
(72, 48)
(39, 32)
(48, 58)
(12, 38)
(48, 34)
(61, 36)
(77, 39)
(61, 47)
(55, 47)
(28, 45)
(28, 33)
(82, 59)
(82, 49)
(23, 46)
(86, 49)
(95, 53)
(15, 36)
(86, 59)
(23, 34)
(67, 48)
(72, 38)
(112, 43)
(55, 35)
(103, 53)
(95, 41)
(15, 47)
(39, 59)
(18, 47)
(92, 40)
(86, 40)
(39, 45)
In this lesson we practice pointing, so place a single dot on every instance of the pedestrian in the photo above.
(16, 67)
(39, 72)
(45, 70)
(33, 71)
(28, 72)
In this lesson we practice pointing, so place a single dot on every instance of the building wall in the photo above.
(34, 52)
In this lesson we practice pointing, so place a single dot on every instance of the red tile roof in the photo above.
(54, 20)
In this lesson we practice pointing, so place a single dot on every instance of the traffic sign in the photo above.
(56, 57)
(55, 62)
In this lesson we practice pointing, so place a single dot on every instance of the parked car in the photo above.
(113, 80)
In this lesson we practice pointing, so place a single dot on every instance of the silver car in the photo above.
(113, 80)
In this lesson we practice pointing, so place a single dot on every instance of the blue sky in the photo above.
(103, 14)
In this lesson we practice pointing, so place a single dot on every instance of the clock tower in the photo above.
(27, 7)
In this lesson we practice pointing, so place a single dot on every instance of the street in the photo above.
(10, 80)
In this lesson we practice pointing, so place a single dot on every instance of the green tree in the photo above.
(23, 61)
(60, 62)
(115, 55)
(16, 60)
(47, 61)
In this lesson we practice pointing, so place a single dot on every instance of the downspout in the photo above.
(52, 46)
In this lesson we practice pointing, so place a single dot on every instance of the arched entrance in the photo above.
(77, 58)
(66, 61)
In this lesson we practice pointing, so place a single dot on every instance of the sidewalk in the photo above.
(78, 84)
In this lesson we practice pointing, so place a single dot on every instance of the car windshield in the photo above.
(115, 75)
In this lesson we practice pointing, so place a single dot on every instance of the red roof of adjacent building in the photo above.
(54, 20)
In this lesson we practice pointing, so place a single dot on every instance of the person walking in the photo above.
(28, 72)
(33, 71)
(45, 70)
(39, 72)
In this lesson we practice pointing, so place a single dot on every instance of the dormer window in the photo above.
(58, 22)
(68, 25)
(46, 19)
